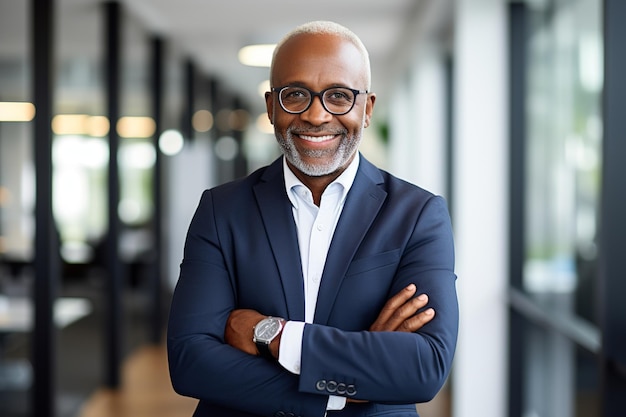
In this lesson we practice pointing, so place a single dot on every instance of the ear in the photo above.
(269, 105)
(369, 108)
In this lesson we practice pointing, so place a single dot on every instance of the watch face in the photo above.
(267, 329)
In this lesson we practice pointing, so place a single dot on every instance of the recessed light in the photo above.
(257, 55)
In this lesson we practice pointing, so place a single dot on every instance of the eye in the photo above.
(339, 95)
(295, 94)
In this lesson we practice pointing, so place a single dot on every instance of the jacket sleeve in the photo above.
(201, 364)
(393, 367)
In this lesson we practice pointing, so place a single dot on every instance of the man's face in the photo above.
(315, 142)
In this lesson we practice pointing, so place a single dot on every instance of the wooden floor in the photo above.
(146, 391)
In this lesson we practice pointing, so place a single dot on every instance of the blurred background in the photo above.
(114, 116)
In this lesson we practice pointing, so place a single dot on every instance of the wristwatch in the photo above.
(264, 332)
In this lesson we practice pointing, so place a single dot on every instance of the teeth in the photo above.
(317, 138)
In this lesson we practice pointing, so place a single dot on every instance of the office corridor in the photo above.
(145, 391)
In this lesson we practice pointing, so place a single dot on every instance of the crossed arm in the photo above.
(400, 314)
(409, 367)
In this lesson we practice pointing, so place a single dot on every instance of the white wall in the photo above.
(189, 173)
(417, 124)
(480, 206)
(480, 200)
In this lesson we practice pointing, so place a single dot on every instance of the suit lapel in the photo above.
(275, 209)
(361, 207)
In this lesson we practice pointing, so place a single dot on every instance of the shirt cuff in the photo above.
(290, 349)
(290, 352)
(336, 403)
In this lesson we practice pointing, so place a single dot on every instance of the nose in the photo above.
(316, 114)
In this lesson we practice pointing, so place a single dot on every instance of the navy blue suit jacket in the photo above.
(242, 252)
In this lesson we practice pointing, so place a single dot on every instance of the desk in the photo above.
(16, 316)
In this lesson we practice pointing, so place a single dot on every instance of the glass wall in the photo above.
(17, 202)
(80, 151)
(79, 161)
(136, 128)
(16, 166)
(562, 177)
(564, 152)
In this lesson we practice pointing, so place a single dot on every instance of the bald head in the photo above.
(328, 29)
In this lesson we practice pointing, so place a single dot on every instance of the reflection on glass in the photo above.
(561, 216)
(561, 380)
(564, 154)
(79, 200)
(16, 154)
(137, 160)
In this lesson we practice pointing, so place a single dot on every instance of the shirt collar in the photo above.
(346, 179)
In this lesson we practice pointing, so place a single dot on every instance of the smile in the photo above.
(317, 139)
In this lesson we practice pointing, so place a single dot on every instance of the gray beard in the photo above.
(340, 156)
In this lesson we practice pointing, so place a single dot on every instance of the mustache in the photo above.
(308, 130)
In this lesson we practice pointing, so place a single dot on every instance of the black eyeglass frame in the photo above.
(319, 94)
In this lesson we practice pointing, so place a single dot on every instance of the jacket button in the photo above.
(331, 386)
(351, 390)
(279, 414)
(341, 388)
(320, 385)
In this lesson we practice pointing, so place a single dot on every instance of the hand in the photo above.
(398, 314)
(240, 330)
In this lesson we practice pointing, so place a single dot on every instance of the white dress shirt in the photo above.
(315, 226)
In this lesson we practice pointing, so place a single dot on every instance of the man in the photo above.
(319, 285)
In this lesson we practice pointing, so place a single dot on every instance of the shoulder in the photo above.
(244, 186)
(394, 186)
(400, 197)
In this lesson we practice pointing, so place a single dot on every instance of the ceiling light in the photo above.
(171, 142)
(80, 124)
(202, 121)
(136, 127)
(257, 55)
(69, 124)
(238, 119)
(16, 112)
(98, 126)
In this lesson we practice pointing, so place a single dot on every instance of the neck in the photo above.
(316, 185)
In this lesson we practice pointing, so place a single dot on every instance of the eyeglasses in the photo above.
(335, 100)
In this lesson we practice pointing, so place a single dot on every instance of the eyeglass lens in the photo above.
(336, 100)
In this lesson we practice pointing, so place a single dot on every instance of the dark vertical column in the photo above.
(517, 156)
(612, 220)
(157, 263)
(216, 96)
(46, 242)
(449, 130)
(240, 163)
(225, 101)
(113, 333)
(189, 100)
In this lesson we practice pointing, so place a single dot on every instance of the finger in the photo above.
(405, 311)
(417, 321)
(395, 302)
(390, 320)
